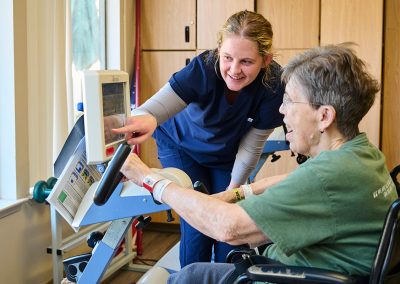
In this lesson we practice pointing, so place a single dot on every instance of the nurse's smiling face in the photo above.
(240, 62)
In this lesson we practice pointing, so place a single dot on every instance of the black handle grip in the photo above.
(112, 176)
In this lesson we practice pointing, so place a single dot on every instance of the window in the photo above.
(27, 57)
(87, 42)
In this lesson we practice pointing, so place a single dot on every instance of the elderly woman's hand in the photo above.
(134, 169)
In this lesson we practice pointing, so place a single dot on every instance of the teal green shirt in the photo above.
(329, 212)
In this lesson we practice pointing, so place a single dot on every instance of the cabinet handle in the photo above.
(187, 33)
(187, 61)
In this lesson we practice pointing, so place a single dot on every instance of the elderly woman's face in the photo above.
(301, 120)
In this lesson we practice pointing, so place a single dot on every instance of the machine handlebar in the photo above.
(112, 175)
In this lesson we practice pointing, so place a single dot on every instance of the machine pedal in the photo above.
(74, 266)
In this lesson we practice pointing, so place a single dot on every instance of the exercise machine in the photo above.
(121, 203)
(86, 189)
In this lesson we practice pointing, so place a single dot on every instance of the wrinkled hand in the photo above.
(138, 128)
(134, 169)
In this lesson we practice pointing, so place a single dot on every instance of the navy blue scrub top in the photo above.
(209, 129)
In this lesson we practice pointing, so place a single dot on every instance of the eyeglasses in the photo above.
(288, 101)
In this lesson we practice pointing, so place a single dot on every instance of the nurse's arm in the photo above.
(257, 187)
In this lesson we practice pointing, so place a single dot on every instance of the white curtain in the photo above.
(60, 67)
(50, 99)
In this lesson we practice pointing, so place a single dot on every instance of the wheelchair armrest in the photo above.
(295, 274)
(236, 254)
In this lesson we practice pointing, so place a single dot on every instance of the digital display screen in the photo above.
(114, 114)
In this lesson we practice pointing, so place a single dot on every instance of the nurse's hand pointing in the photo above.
(138, 128)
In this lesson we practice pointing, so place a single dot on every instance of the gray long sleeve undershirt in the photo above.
(249, 152)
(166, 103)
(162, 105)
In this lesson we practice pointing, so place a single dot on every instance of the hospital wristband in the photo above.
(151, 180)
(159, 189)
(247, 190)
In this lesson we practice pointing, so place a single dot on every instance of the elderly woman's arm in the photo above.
(213, 217)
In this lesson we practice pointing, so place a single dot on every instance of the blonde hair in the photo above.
(251, 26)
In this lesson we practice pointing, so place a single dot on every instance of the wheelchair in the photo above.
(385, 268)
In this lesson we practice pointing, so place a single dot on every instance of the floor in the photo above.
(157, 240)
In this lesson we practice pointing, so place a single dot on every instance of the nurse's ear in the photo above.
(267, 59)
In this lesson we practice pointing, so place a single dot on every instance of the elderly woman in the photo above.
(309, 214)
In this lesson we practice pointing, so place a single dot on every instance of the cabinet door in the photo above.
(168, 25)
(295, 23)
(361, 22)
(212, 14)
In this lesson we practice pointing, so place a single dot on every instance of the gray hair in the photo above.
(334, 75)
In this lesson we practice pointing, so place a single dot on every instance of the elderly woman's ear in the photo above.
(327, 116)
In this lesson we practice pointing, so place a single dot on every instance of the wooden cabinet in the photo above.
(212, 14)
(302, 24)
(295, 23)
(168, 25)
(391, 75)
(361, 22)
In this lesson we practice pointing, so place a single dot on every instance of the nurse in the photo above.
(212, 118)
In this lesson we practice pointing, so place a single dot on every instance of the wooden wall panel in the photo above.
(295, 23)
(391, 96)
(282, 56)
(361, 22)
(212, 14)
(163, 24)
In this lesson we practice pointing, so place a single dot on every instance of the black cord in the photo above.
(145, 261)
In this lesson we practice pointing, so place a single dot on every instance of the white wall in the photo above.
(25, 236)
